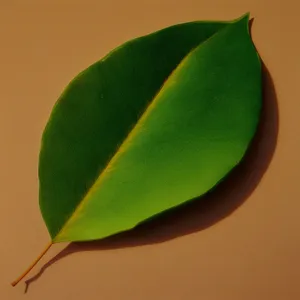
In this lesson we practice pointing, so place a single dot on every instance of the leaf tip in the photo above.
(244, 18)
(246, 15)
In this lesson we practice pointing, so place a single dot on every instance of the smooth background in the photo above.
(253, 253)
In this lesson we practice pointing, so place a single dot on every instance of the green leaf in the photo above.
(158, 121)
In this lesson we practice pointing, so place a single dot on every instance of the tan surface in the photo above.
(251, 254)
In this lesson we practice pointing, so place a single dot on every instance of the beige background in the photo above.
(244, 246)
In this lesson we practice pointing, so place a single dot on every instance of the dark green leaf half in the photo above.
(158, 121)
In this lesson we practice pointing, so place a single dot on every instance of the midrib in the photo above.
(129, 137)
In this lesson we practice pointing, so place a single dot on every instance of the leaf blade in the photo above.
(118, 216)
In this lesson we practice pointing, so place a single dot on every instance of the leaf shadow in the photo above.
(200, 214)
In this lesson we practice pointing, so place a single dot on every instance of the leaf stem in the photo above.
(15, 282)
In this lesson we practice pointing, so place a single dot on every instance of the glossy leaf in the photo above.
(158, 121)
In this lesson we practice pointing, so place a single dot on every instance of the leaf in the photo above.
(158, 121)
